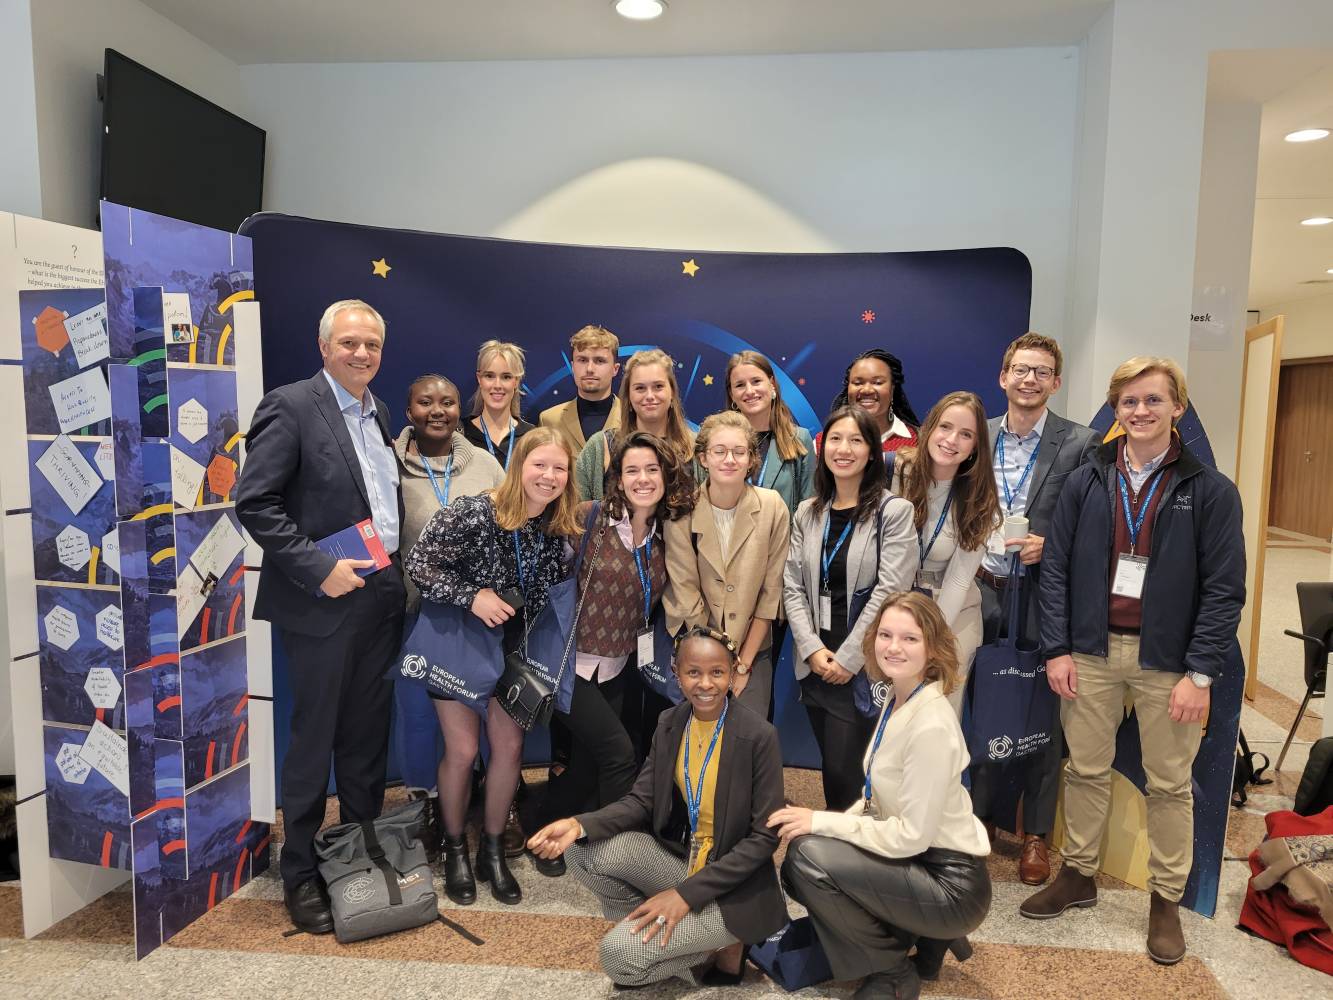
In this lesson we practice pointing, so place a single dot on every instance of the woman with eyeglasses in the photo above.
(950, 482)
(495, 422)
(905, 865)
(852, 544)
(724, 562)
(650, 401)
(684, 861)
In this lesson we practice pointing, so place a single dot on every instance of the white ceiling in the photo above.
(285, 31)
(1295, 182)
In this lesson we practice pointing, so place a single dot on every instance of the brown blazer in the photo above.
(704, 589)
(564, 417)
(740, 875)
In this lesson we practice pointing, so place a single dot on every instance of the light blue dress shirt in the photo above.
(1017, 452)
(379, 468)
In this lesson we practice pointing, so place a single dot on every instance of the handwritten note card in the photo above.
(69, 473)
(106, 751)
(81, 400)
(87, 332)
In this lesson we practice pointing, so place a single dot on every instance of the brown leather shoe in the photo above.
(1070, 888)
(1166, 941)
(1034, 866)
(512, 837)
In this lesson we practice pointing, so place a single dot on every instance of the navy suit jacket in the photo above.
(302, 481)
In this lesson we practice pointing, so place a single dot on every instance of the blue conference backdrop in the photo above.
(947, 314)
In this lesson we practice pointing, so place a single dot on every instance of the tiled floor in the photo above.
(547, 946)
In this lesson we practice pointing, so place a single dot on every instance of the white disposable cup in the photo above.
(1015, 526)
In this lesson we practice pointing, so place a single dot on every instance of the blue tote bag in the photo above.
(452, 654)
(1013, 709)
(793, 957)
(658, 675)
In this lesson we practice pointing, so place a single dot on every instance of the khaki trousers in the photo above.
(1090, 722)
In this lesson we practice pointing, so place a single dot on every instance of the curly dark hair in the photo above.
(678, 478)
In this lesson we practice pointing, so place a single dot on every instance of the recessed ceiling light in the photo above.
(640, 10)
(1307, 135)
(1318, 220)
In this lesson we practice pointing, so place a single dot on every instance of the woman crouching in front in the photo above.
(906, 864)
(684, 861)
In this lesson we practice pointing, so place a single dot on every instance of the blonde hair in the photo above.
(513, 355)
(348, 305)
(511, 507)
(593, 336)
(677, 430)
(730, 420)
(1146, 364)
(780, 420)
(941, 647)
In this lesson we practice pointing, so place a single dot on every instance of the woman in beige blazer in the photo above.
(906, 863)
(852, 545)
(724, 562)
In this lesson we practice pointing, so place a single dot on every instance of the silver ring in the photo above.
(661, 921)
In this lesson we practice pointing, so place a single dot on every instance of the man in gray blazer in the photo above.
(1035, 450)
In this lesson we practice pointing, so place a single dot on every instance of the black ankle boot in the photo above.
(491, 867)
(929, 957)
(459, 884)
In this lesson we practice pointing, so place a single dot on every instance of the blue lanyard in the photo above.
(879, 736)
(939, 526)
(518, 558)
(486, 436)
(441, 495)
(693, 798)
(763, 469)
(1004, 476)
(827, 560)
(1133, 525)
(645, 577)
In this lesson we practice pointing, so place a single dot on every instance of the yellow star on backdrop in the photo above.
(708, 380)
(689, 267)
(380, 267)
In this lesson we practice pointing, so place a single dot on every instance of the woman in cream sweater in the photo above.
(908, 861)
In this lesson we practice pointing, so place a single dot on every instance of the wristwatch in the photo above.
(1201, 681)
(742, 667)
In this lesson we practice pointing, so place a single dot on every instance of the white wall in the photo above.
(895, 151)
(1307, 331)
(1222, 271)
(1137, 278)
(20, 183)
(68, 39)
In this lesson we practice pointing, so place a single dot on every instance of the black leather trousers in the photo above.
(869, 910)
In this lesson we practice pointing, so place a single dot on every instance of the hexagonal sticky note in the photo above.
(105, 458)
(102, 687)
(192, 421)
(51, 333)
(109, 629)
(111, 550)
(62, 628)
(72, 547)
(221, 475)
(73, 768)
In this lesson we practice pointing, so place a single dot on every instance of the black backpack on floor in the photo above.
(1248, 771)
(1315, 792)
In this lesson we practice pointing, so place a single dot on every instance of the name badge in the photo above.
(825, 611)
(645, 647)
(995, 543)
(1129, 574)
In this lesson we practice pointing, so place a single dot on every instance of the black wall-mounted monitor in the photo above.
(167, 150)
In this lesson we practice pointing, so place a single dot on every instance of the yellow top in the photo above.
(699, 735)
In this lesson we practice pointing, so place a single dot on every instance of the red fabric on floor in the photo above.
(1273, 916)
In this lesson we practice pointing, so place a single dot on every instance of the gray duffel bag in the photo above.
(377, 875)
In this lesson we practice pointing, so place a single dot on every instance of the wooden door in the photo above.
(1302, 489)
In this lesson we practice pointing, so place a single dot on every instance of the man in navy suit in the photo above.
(1035, 451)
(319, 459)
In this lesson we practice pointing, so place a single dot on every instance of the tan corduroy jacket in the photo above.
(705, 589)
(564, 417)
